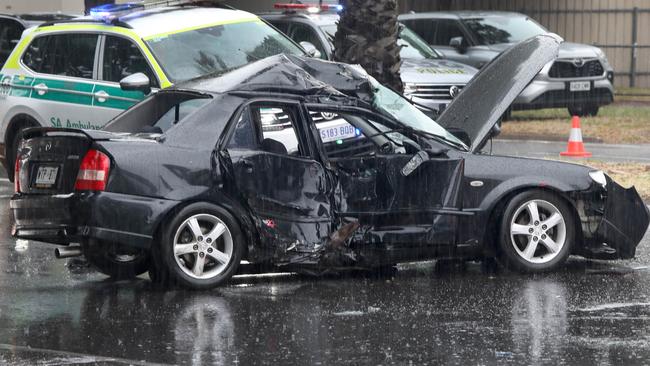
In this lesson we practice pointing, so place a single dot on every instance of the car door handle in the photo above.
(41, 89)
(101, 96)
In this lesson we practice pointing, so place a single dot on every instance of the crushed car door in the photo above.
(397, 192)
(277, 178)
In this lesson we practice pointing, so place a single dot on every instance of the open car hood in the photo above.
(491, 92)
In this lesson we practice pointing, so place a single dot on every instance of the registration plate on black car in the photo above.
(46, 176)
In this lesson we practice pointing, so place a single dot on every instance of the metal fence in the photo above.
(620, 27)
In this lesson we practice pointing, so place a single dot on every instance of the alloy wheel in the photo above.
(203, 246)
(538, 231)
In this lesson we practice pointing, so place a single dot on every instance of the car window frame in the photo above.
(304, 140)
(324, 48)
(64, 32)
(100, 59)
(21, 24)
(467, 35)
(315, 135)
(148, 99)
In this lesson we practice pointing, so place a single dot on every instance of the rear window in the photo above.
(158, 113)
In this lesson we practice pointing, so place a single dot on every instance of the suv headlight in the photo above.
(598, 176)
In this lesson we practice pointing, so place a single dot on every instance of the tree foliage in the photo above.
(367, 35)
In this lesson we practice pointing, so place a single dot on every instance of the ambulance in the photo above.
(82, 72)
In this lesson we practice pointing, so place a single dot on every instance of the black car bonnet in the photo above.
(491, 92)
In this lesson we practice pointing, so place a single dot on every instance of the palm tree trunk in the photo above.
(367, 35)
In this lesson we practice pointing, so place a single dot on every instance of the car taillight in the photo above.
(17, 174)
(93, 172)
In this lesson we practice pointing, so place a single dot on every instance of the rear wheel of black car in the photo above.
(201, 246)
(537, 232)
(115, 261)
(584, 110)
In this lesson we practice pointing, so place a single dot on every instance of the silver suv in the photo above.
(581, 79)
(429, 80)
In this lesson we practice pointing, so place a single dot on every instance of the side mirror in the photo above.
(461, 135)
(311, 50)
(457, 43)
(136, 82)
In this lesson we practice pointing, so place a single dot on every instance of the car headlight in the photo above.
(598, 176)
(410, 88)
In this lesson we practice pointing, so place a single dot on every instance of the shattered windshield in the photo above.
(218, 49)
(394, 105)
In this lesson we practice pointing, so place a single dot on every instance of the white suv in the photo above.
(81, 73)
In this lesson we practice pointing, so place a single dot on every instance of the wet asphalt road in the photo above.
(591, 313)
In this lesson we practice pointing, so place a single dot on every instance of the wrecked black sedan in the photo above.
(312, 165)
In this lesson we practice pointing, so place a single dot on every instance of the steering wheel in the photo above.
(387, 148)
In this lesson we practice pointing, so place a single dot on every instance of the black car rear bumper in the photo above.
(624, 223)
(71, 218)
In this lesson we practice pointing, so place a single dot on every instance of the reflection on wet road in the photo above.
(590, 313)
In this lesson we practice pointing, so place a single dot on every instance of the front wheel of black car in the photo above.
(537, 232)
(201, 246)
(115, 261)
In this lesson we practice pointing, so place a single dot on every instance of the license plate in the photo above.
(579, 86)
(341, 131)
(46, 176)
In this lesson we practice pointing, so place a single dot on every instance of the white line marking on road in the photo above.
(81, 357)
(4, 179)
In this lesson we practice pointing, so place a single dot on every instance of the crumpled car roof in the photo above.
(289, 74)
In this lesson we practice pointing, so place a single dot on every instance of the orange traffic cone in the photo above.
(576, 148)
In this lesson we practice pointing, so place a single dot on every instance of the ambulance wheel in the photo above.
(13, 137)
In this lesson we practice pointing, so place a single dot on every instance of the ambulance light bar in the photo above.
(310, 8)
(111, 12)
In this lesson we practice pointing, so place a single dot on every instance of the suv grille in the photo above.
(436, 91)
(569, 69)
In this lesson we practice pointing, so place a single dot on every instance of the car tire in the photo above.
(593, 111)
(537, 232)
(201, 247)
(114, 261)
(583, 110)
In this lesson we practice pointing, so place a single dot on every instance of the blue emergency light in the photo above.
(310, 8)
(110, 12)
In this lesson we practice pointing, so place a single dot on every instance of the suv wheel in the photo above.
(584, 110)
